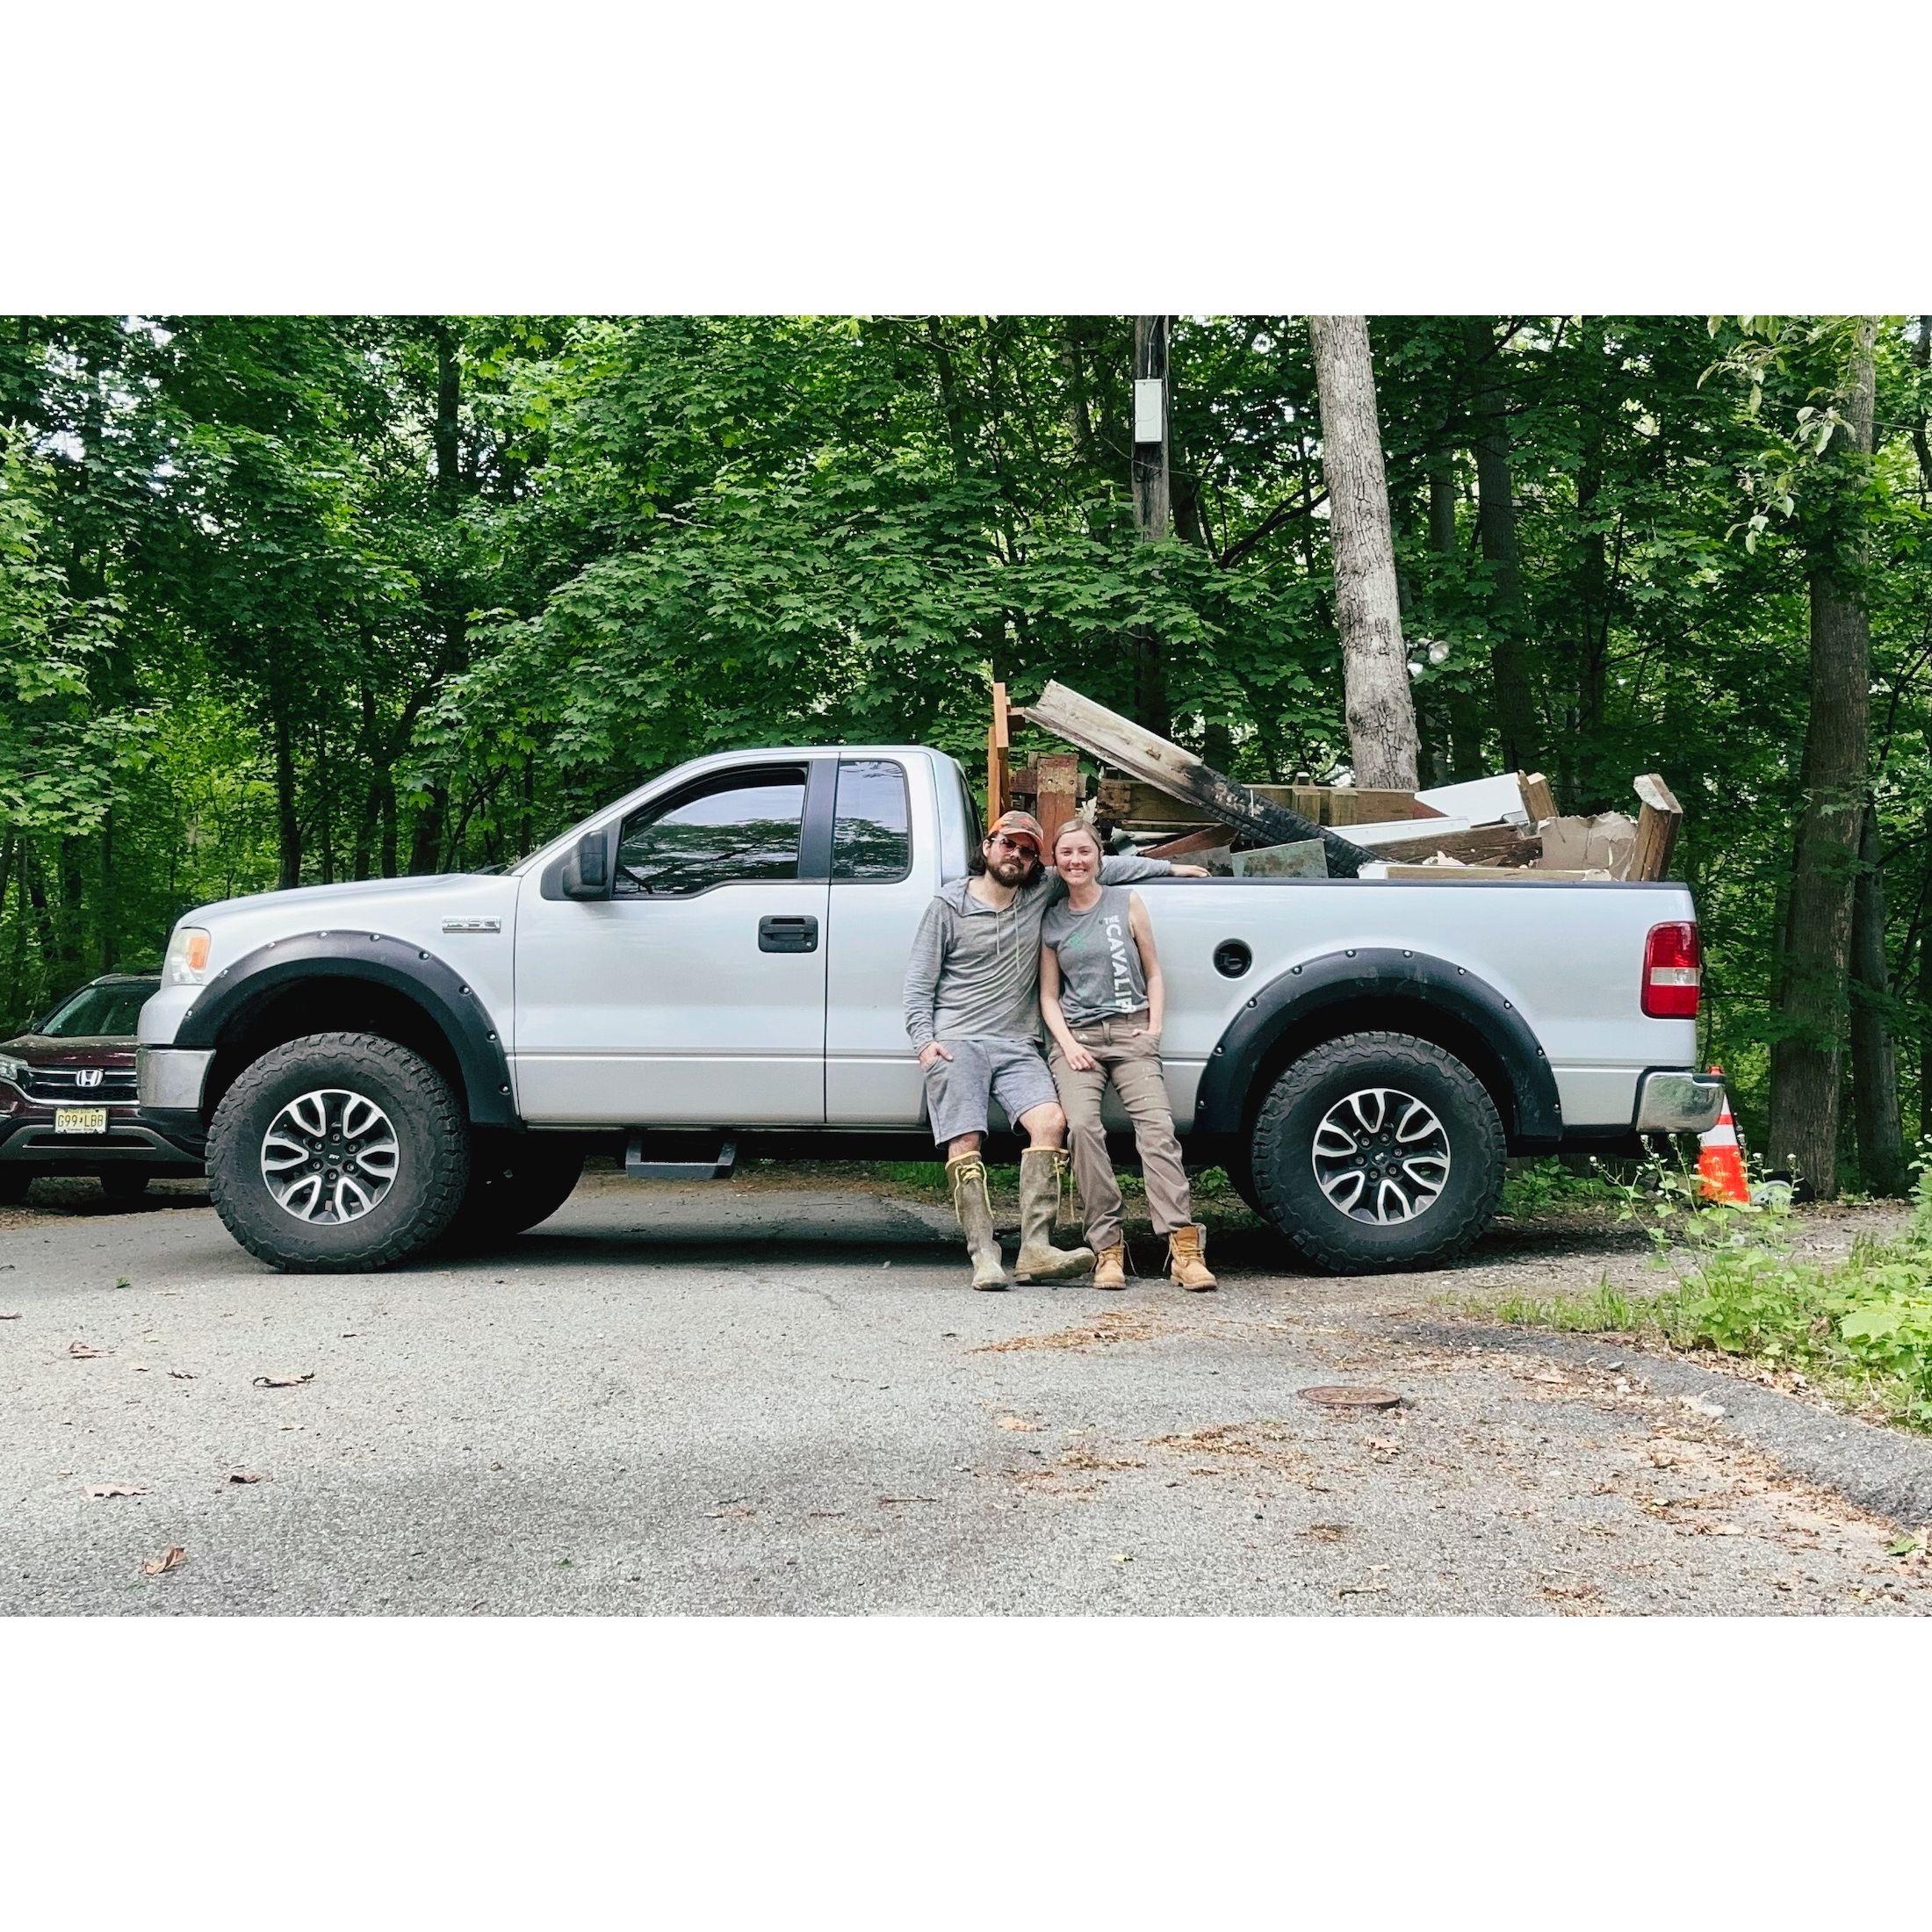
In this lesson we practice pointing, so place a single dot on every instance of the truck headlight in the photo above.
(187, 961)
(15, 1071)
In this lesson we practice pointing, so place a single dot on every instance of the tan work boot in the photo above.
(1187, 1258)
(1038, 1259)
(967, 1177)
(1110, 1269)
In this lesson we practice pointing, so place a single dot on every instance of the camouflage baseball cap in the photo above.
(1021, 825)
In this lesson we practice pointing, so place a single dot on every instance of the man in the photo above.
(972, 1010)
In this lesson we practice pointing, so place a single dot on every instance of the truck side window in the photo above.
(734, 826)
(872, 828)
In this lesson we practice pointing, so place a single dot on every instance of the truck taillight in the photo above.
(1673, 971)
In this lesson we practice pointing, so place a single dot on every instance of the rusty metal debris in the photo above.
(1336, 1395)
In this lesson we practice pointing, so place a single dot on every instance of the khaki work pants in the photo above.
(1124, 1055)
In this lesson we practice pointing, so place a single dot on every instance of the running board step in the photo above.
(638, 1166)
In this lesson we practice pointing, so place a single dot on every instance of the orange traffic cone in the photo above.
(1720, 1160)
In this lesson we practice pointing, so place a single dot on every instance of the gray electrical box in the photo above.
(1149, 409)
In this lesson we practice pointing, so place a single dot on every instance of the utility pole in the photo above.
(1153, 503)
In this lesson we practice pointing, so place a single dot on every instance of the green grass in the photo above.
(1859, 1329)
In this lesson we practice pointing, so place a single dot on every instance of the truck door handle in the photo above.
(788, 933)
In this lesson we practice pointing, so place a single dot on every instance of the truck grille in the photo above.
(63, 1084)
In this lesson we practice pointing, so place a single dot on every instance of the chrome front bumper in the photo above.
(170, 1078)
(1678, 1103)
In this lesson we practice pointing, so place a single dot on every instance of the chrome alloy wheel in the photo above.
(1382, 1156)
(329, 1155)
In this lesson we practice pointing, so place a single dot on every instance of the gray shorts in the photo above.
(1012, 1071)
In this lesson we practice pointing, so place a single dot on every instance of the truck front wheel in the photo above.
(1378, 1152)
(338, 1153)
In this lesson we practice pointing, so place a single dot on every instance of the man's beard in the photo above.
(1012, 871)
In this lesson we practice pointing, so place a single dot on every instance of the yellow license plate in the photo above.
(80, 1120)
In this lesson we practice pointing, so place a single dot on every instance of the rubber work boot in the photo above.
(1110, 1269)
(967, 1176)
(1039, 1260)
(1187, 1258)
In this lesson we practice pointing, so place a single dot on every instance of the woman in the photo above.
(1103, 1000)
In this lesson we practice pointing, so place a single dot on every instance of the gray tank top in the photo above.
(1099, 964)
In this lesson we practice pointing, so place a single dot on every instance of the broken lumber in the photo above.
(998, 743)
(1488, 874)
(1202, 839)
(1538, 799)
(1657, 826)
(1157, 761)
(1481, 845)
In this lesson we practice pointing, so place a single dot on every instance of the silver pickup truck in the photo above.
(710, 968)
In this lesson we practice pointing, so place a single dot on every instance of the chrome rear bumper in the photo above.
(1678, 1103)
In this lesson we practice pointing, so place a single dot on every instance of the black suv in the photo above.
(67, 1096)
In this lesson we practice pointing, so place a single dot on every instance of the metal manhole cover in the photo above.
(1333, 1395)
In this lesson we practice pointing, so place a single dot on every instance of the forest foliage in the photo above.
(289, 599)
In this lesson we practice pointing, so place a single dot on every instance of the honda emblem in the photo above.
(88, 1076)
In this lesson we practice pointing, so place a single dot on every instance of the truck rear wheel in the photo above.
(1376, 1152)
(516, 1181)
(337, 1153)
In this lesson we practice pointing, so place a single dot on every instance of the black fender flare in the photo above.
(373, 958)
(1379, 973)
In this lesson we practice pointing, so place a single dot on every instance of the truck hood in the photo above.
(291, 909)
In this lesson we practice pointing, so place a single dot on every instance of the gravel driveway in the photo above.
(736, 1398)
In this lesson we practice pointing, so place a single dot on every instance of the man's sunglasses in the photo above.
(1006, 844)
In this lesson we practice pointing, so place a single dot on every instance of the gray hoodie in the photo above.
(975, 969)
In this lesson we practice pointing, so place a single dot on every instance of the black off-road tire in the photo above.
(14, 1183)
(433, 1161)
(124, 1185)
(516, 1181)
(1282, 1154)
(1239, 1168)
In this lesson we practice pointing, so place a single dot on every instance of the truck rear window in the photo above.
(872, 829)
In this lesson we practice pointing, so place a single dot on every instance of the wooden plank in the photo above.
(998, 742)
(1538, 799)
(1157, 761)
(1482, 845)
(1363, 805)
(1128, 802)
(1490, 875)
(1202, 839)
(1657, 827)
(1055, 790)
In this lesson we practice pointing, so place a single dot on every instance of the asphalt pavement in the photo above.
(742, 1399)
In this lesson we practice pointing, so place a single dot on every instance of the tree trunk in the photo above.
(288, 818)
(1153, 518)
(1380, 708)
(1874, 1055)
(1925, 992)
(1508, 617)
(1806, 1059)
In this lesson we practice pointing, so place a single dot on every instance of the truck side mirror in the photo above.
(587, 871)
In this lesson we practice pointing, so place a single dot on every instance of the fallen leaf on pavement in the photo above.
(101, 1490)
(284, 1382)
(182, 1374)
(170, 1558)
(1123, 1556)
(243, 1476)
(81, 1353)
(1016, 1421)
(13, 1315)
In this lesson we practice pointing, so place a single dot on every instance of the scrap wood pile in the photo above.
(1154, 797)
